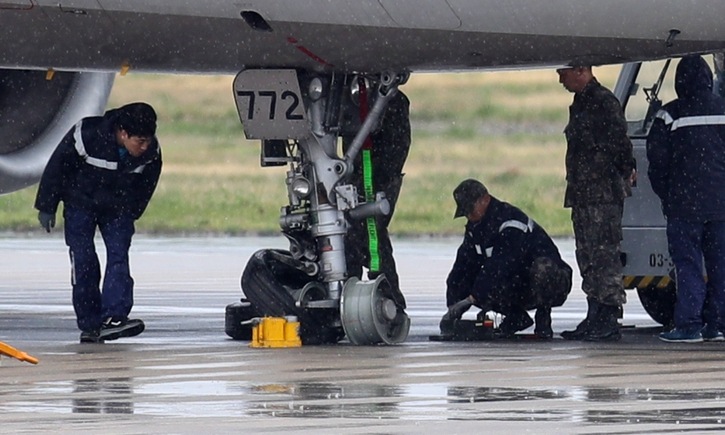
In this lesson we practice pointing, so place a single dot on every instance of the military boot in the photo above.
(605, 326)
(583, 326)
(543, 323)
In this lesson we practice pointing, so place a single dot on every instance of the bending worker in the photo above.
(105, 171)
(507, 263)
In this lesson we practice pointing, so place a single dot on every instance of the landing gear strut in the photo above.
(299, 117)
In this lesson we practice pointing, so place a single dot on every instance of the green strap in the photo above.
(369, 197)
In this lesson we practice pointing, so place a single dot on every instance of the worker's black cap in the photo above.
(137, 119)
(466, 195)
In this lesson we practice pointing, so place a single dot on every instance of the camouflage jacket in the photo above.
(599, 159)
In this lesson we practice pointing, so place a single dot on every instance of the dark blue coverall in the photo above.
(102, 186)
(686, 153)
(494, 263)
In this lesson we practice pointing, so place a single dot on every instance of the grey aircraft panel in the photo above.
(224, 36)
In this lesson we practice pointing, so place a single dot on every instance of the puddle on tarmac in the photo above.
(409, 402)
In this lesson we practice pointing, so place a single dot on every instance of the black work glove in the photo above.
(47, 220)
(455, 312)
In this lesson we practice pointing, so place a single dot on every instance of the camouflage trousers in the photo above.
(550, 282)
(545, 283)
(598, 233)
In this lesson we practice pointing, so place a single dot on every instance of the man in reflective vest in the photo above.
(686, 153)
(105, 171)
(507, 263)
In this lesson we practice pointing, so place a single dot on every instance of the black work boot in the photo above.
(605, 326)
(583, 326)
(543, 323)
(517, 320)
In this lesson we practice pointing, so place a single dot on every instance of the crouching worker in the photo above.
(105, 171)
(507, 263)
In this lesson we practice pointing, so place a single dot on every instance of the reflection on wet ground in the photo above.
(415, 402)
(437, 402)
(418, 401)
(103, 396)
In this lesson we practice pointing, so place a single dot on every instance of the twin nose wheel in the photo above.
(370, 313)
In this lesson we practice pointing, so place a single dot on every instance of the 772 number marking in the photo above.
(286, 97)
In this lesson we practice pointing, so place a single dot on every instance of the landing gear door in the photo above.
(647, 264)
(270, 104)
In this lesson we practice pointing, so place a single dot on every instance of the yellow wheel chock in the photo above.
(6, 349)
(276, 332)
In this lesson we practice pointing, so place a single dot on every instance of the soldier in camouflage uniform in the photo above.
(600, 170)
(387, 148)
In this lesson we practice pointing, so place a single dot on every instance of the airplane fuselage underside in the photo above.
(351, 36)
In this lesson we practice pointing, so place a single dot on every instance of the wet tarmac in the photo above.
(184, 376)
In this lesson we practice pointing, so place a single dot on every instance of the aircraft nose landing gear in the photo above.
(299, 117)
(368, 312)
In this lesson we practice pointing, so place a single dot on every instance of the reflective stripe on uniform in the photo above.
(698, 121)
(488, 251)
(525, 227)
(93, 161)
(664, 116)
(690, 121)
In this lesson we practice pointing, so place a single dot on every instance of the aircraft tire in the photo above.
(235, 314)
(659, 303)
(269, 283)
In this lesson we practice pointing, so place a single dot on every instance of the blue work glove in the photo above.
(47, 220)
